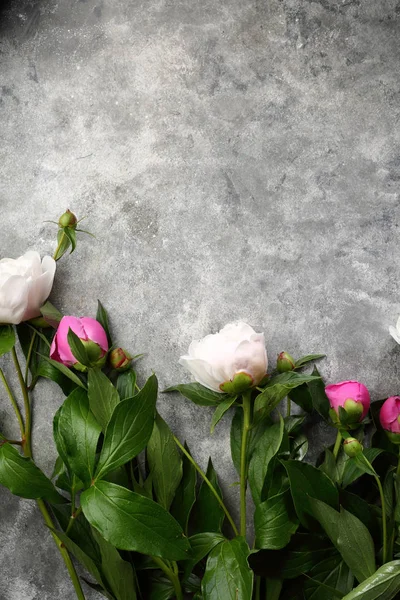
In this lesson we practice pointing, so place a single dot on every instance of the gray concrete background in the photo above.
(235, 159)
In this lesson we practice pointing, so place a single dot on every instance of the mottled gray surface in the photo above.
(235, 159)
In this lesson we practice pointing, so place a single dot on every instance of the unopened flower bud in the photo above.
(352, 447)
(68, 219)
(285, 362)
(390, 418)
(351, 397)
(120, 359)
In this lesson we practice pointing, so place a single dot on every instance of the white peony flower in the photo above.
(25, 284)
(395, 331)
(215, 360)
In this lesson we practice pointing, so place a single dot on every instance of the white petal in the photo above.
(395, 334)
(201, 372)
(237, 331)
(13, 299)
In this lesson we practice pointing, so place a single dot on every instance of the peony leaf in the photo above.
(275, 522)
(384, 584)
(132, 522)
(164, 461)
(23, 478)
(198, 394)
(7, 338)
(102, 318)
(129, 429)
(185, 495)
(221, 410)
(228, 575)
(103, 397)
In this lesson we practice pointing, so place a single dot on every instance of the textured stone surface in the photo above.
(235, 159)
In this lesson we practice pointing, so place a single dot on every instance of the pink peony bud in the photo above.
(352, 396)
(390, 418)
(88, 330)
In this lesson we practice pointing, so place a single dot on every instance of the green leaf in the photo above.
(267, 447)
(302, 397)
(77, 348)
(164, 461)
(304, 551)
(23, 478)
(103, 397)
(80, 433)
(185, 495)
(71, 235)
(228, 575)
(350, 536)
(299, 447)
(126, 384)
(117, 572)
(51, 314)
(355, 468)
(129, 428)
(329, 579)
(201, 545)
(308, 482)
(367, 513)
(329, 466)
(102, 318)
(276, 390)
(293, 423)
(236, 437)
(198, 394)
(221, 410)
(64, 370)
(319, 398)
(384, 584)
(48, 371)
(207, 514)
(81, 532)
(132, 522)
(274, 522)
(7, 338)
(64, 243)
(306, 359)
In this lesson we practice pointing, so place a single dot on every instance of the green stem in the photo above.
(28, 357)
(72, 519)
(243, 459)
(289, 407)
(258, 588)
(28, 422)
(398, 471)
(14, 403)
(63, 551)
(337, 445)
(173, 577)
(208, 482)
(27, 449)
(383, 503)
(384, 529)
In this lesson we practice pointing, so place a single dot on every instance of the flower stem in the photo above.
(383, 504)
(289, 407)
(72, 519)
(28, 357)
(27, 449)
(172, 576)
(208, 482)
(243, 460)
(28, 421)
(337, 445)
(64, 553)
(14, 403)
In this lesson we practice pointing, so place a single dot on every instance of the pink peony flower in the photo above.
(353, 396)
(87, 329)
(390, 414)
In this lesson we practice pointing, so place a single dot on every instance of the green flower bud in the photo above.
(285, 362)
(352, 447)
(393, 437)
(68, 219)
(239, 384)
(120, 359)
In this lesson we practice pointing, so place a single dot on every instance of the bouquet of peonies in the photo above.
(127, 499)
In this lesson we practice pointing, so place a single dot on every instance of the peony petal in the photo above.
(95, 332)
(201, 372)
(395, 333)
(61, 346)
(13, 299)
